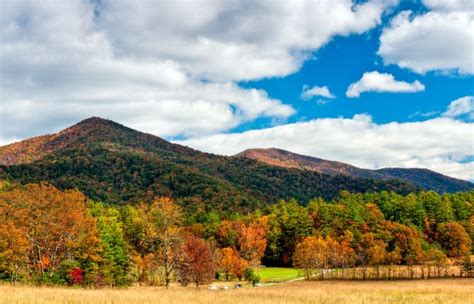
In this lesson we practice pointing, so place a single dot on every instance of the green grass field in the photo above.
(278, 274)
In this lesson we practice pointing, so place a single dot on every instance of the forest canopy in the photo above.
(52, 236)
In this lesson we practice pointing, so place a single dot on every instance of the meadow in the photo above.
(278, 274)
(355, 292)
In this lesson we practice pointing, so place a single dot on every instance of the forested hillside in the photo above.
(423, 178)
(112, 163)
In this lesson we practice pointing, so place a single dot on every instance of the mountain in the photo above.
(427, 179)
(112, 163)
(423, 178)
(88, 132)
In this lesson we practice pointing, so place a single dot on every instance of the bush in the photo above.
(251, 276)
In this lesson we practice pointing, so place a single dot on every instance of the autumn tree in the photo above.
(231, 263)
(239, 267)
(311, 254)
(377, 255)
(14, 249)
(454, 239)
(226, 260)
(252, 241)
(332, 253)
(196, 264)
(227, 233)
(165, 234)
(345, 254)
(393, 258)
(407, 240)
(436, 258)
(55, 223)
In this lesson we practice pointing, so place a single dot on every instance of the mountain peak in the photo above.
(96, 123)
(93, 131)
(287, 159)
(93, 120)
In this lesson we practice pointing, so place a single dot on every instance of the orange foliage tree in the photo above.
(252, 241)
(55, 224)
(453, 238)
(311, 254)
(14, 248)
(230, 263)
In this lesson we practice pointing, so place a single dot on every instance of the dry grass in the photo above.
(426, 291)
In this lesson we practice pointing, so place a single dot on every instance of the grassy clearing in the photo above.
(450, 291)
(278, 274)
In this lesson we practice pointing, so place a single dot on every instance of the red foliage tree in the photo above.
(77, 275)
(196, 264)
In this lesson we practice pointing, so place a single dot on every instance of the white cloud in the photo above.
(461, 106)
(449, 5)
(439, 40)
(382, 82)
(309, 93)
(440, 144)
(232, 39)
(168, 67)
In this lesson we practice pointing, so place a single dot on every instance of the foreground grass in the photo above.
(331, 292)
(277, 274)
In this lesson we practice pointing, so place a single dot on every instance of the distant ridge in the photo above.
(423, 178)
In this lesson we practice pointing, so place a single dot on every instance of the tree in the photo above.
(311, 254)
(226, 260)
(288, 223)
(252, 241)
(377, 255)
(437, 258)
(239, 267)
(166, 234)
(231, 263)
(333, 250)
(467, 267)
(407, 240)
(196, 264)
(55, 223)
(227, 234)
(14, 249)
(345, 253)
(115, 262)
(251, 276)
(393, 258)
(454, 239)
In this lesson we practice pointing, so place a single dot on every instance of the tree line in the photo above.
(52, 236)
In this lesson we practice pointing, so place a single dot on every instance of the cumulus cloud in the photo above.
(309, 93)
(168, 67)
(451, 5)
(234, 40)
(439, 40)
(441, 144)
(382, 82)
(463, 106)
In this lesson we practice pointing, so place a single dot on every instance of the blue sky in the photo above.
(341, 62)
(382, 83)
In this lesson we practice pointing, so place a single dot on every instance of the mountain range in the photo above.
(113, 163)
(423, 178)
